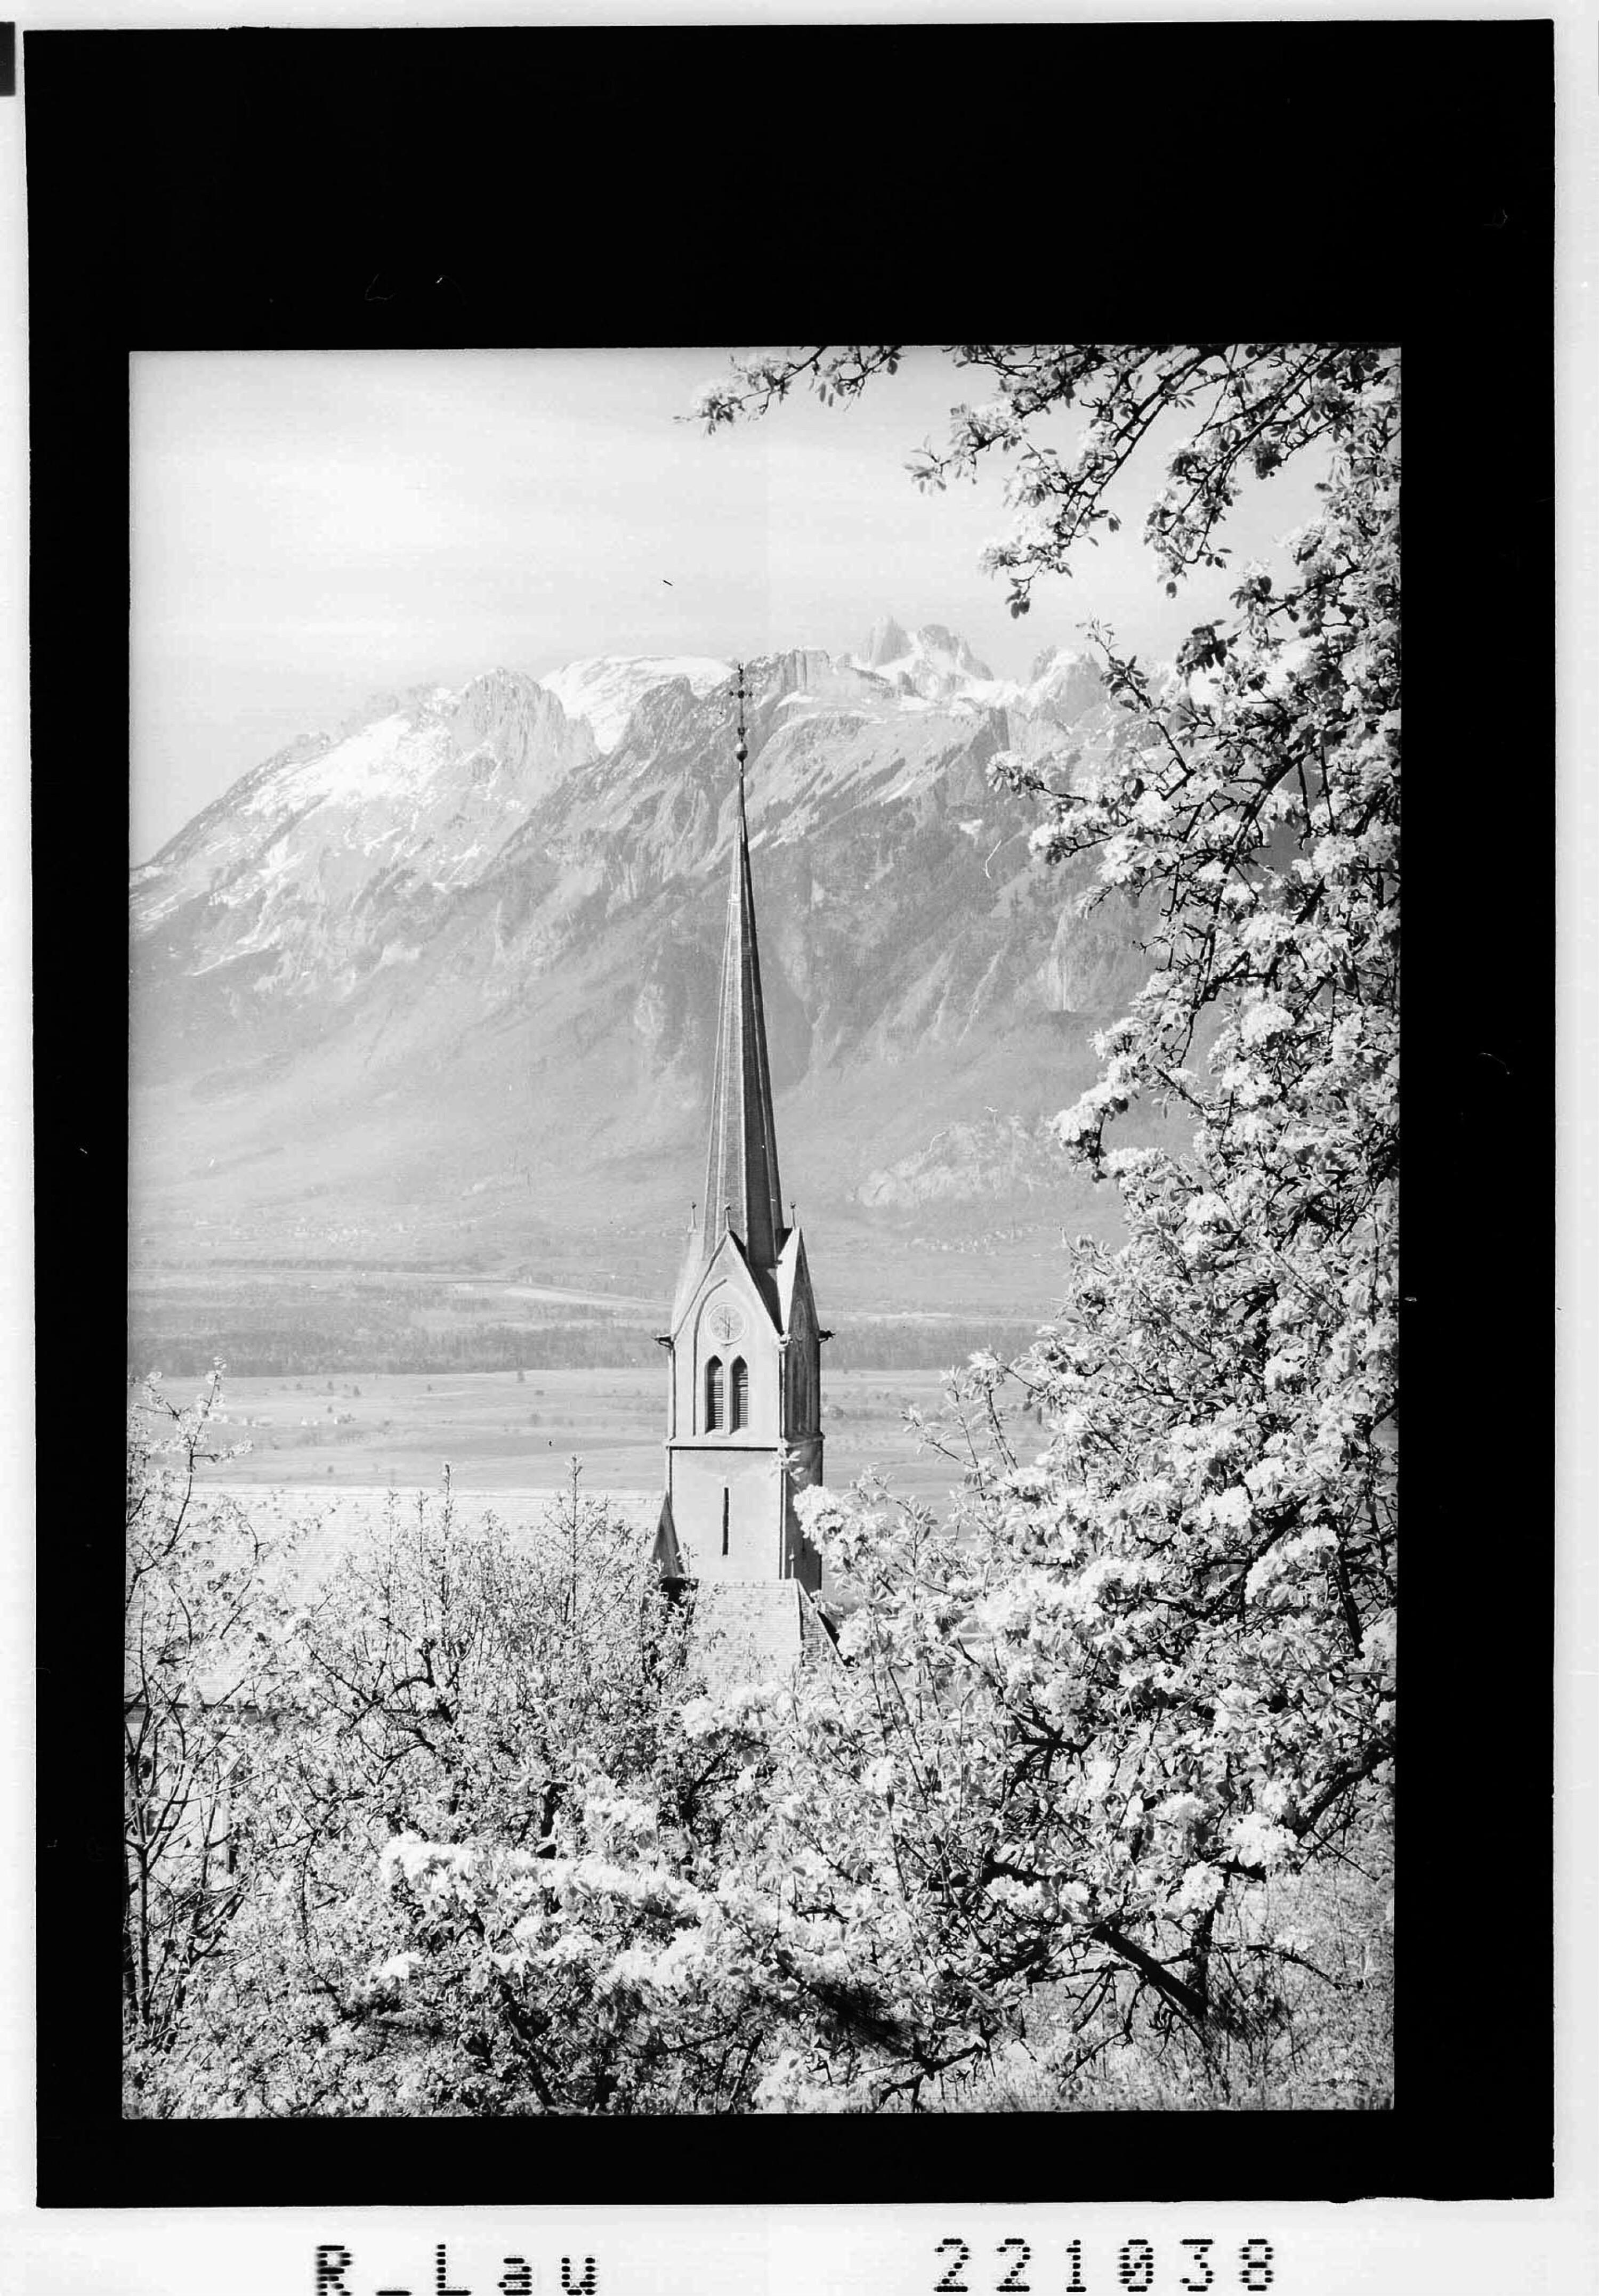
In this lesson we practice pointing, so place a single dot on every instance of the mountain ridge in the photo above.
(466, 951)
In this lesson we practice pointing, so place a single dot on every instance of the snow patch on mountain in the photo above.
(607, 688)
(424, 795)
(372, 763)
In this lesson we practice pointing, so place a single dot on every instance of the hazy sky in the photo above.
(310, 528)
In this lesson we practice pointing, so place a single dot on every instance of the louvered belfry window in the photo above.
(740, 1415)
(713, 1392)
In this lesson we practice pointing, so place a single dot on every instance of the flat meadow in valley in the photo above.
(504, 1433)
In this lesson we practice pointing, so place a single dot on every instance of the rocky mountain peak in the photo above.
(518, 718)
(1065, 683)
(934, 638)
(886, 643)
(932, 662)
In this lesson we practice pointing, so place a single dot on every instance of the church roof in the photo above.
(665, 1553)
(719, 1249)
(743, 1191)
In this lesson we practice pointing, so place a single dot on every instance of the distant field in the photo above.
(502, 1433)
(893, 1302)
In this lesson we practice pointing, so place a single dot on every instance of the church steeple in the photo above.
(743, 1191)
(743, 1347)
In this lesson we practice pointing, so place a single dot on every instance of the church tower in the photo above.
(744, 1403)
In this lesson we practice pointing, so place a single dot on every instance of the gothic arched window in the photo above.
(739, 1417)
(713, 1392)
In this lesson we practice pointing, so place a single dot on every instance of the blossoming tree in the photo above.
(1150, 1667)
(201, 1653)
(369, 1755)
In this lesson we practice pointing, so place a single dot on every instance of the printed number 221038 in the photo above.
(1195, 2264)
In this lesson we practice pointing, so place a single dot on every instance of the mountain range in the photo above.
(436, 989)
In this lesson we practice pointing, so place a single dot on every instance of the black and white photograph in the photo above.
(773, 1352)
(763, 1241)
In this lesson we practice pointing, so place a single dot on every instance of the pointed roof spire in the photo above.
(741, 1167)
(665, 1553)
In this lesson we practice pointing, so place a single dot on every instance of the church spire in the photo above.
(742, 1189)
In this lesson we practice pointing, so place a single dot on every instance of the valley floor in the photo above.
(505, 1433)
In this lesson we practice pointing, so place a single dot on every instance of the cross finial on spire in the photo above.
(741, 695)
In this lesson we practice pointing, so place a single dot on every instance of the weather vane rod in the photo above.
(741, 747)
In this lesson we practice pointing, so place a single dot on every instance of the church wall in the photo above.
(689, 1360)
(699, 1474)
(754, 1343)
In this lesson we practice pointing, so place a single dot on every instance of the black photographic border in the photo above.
(1180, 182)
